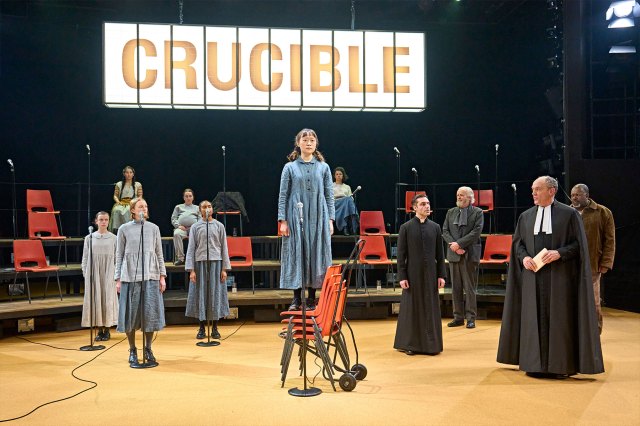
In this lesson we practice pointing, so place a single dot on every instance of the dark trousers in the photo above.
(464, 282)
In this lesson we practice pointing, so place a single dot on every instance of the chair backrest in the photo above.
(240, 249)
(28, 251)
(485, 199)
(44, 224)
(372, 222)
(497, 247)
(324, 293)
(408, 197)
(39, 200)
(336, 296)
(374, 248)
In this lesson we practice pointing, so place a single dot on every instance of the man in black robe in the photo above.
(421, 272)
(549, 323)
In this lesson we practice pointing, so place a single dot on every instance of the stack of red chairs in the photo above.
(325, 322)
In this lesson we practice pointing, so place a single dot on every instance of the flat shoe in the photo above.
(456, 323)
(471, 324)
(148, 354)
(133, 356)
(201, 334)
(215, 334)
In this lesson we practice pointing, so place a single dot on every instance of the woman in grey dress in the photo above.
(123, 193)
(129, 279)
(196, 264)
(305, 188)
(98, 266)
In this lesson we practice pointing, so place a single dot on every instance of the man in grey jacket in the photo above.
(461, 230)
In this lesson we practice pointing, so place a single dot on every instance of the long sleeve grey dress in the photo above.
(309, 183)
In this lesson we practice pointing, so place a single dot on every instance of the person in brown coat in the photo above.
(601, 237)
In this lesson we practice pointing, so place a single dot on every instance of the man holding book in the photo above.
(549, 323)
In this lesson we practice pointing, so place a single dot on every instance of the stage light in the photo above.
(622, 13)
(622, 49)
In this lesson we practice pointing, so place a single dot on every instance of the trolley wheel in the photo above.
(359, 371)
(347, 382)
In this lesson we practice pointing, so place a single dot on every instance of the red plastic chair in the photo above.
(331, 271)
(408, 197)
(241, 255)
(43, 227)
(237, 213)
(372, 223)
(40, 201)
(484, 200)
(374, 253)
(497, 250)
(28, 256)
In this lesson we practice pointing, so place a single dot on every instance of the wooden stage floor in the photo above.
(238, 382)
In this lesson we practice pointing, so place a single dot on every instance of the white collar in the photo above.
(546, 224)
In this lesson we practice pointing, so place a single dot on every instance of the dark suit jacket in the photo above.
(468, 237)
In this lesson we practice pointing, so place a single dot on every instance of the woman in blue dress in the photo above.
(306, 191)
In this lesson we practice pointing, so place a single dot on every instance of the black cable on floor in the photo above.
(235, 331)
(93, 384)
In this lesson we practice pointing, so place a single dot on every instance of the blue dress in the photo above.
(309, 183)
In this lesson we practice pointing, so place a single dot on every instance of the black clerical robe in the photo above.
(421, 262)
(573, 339)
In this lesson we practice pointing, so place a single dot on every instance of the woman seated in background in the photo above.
(346, 212)
(124, 192)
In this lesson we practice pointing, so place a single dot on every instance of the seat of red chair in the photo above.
(372, 223)
(485, 198)
(240, 252)
(497, 249)
(408, 197)
(30, 251)
(374, 251)
(43, 223)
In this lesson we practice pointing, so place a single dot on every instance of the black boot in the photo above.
(106, 335)
(201, 332)
(133, 356)
(100, 336)
(148, 354)
(215, 334)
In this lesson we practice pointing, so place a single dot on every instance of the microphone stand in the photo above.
(145, 362)
(89, 184)
(495, 196)
(305, 391)
(224, 189)
(515, 207)
(92, 300)
(13, 199)
(208, 318)
(415, 181)
(396, 201)
(478, 186)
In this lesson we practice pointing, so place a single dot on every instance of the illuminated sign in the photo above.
(187, 66)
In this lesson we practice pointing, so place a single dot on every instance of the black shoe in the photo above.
(471, 324)
(100, 336)
(178, 263)
(133, 356)
(149, 355)
(106, 335)
(346, 231)
(201, 333)
(215, 334)
(311, 305)
(456, 323)
(410, 353)
(295, 305)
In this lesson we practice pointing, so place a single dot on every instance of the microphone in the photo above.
(10, 163)
(413, 169)
(207, 213)
(88, 148)
(357, 189)
(91, 230)
(141, 217)
(477, 168)
(513, 185)
(395, 148)
(223, 149)
(299, 206)
(497, 146)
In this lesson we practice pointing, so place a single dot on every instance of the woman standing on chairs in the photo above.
(124, 191)
(346, 212)
(305, 189)
(98, 265)
(129, 279)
